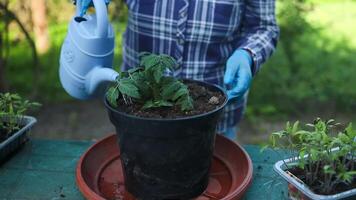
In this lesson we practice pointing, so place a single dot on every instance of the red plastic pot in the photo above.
(99, 174)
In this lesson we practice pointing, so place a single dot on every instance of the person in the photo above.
(223, 42)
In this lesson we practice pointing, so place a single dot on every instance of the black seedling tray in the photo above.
(14, 142)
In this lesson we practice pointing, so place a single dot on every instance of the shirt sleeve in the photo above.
(259, 31)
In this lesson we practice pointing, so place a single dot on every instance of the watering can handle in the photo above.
(101, 13)
(78, 4)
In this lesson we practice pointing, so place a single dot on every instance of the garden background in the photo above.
(312, 73)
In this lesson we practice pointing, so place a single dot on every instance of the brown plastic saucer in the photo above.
(99, 172)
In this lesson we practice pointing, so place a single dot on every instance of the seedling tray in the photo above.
(99, 173)
(295, 185)
(15, 141)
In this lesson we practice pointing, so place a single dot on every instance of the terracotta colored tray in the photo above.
(99, 173)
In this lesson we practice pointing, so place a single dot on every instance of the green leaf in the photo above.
(163, 103)
(156, 104)
(328, 169)
(158, 73)
(167, 81)
(148, 104)
(149, 85)
(186, 103)
(149, 61)
(15, 97)
(330, 121)
(169, 62)
(187, 106)
(128, 87)
(264, 148)
(170, 89)
(295, 127)
(123, 75)
(112, 96)
(313, 154)
(279, 134)
(350, 131)
(13, 106)
(182, 91)
(141, 83)
(134, 70)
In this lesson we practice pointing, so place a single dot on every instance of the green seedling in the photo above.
(148, 85)
(328, 159)
(12, 110)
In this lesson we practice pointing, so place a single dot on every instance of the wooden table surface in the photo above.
(45, 169)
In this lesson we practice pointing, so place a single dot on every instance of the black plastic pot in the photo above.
(166, 158)
(16, 141)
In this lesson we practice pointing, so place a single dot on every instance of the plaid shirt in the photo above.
(201, 35)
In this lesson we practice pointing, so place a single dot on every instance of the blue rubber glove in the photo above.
(238, 74)
(86, 4)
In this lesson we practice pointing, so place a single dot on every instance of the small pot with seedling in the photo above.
(14, 125)
(323, 166)
(166, 129)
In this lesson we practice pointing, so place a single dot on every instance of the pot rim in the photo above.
(223, 91)
(278, 167)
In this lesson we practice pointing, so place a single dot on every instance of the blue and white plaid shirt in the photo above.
(201, 35)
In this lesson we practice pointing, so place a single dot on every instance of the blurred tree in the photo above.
(310, 71)
(6, 18)
(59, 11)
(40, 26)
(283, 70)
(293, 24)
(4, 45)
(118, 10)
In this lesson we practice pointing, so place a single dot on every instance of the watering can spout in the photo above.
(98, 78)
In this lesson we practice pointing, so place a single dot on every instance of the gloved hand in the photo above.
(85, 4)
(238, 74)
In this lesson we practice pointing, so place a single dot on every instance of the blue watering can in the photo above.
(87, 54)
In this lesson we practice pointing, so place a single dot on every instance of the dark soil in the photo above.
(315, 187)
(205, 100)
(4, 135)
